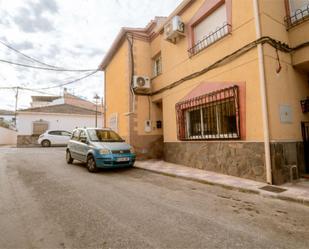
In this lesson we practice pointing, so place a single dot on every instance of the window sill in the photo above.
(210, 40)
(214, 137)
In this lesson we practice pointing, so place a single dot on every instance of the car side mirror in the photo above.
(84, 140)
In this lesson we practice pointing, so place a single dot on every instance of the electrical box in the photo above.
(286, 114)
(148, 126)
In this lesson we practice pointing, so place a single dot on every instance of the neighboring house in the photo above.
(224, 95)
(40, 101)
(7, 117)
(66, 98)
(34, 121)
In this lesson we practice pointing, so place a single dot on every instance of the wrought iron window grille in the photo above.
(300, 15)
(213, 116)
(211, 38)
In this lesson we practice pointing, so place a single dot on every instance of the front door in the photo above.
(305, 133)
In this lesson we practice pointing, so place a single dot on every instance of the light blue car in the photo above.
(99, 148)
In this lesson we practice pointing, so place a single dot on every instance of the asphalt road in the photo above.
(45, 203)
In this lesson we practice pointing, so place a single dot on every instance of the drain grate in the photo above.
(273, 189)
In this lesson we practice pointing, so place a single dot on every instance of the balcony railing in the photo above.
(299, 16)
(210, 39)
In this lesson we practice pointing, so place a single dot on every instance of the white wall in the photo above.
(68, 122)
(8, 117)
(7, 136)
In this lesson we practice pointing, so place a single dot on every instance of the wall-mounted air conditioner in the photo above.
(141, 83)
(174, 29)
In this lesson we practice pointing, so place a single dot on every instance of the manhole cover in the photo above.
(273, 189)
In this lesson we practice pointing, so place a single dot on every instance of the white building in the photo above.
(7, 116)
(34, 121)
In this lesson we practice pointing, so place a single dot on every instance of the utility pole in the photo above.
(96, 97)
(16, 102)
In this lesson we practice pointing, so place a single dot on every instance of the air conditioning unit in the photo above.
(141, 84)
(174, 29)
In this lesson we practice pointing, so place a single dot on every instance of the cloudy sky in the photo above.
(72, 34)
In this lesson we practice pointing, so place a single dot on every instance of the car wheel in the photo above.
(69, 158)
(45, 143)
(91, 164)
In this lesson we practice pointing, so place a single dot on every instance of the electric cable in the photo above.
(47, 68)
(226, 59)
(59, 85)
(27, 56)
(70, 82)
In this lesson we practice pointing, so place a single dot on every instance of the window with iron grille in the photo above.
(299, 12)
(210, 116)
(209, 30)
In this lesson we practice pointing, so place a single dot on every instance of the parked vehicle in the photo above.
(54, 137)
(99, 148)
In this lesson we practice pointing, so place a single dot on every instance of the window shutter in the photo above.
(210, 24)
(298, 5)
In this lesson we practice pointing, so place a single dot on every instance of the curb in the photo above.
(299, 200)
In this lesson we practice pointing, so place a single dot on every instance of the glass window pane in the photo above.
(209, 120)
(195, 123)
(228, 117)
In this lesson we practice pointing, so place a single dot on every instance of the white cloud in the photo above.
(64, 34)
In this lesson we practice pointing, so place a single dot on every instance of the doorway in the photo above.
(305, 134)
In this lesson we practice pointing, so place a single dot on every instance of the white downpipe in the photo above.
(263, 93)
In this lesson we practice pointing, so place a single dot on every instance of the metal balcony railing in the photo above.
(219, 33)
(299, 16)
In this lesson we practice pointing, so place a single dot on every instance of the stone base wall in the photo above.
(283, 155)
(241, 159)
(27, 140)
(148, 146)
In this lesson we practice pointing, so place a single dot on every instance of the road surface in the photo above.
(45, 203)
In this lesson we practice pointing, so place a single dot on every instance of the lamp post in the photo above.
(96, 97)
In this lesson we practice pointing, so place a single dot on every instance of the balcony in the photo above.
(300, 16)
(210, 39)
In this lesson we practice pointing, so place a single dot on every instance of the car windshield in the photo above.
(104, 136)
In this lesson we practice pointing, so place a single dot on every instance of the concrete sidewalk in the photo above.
(296, 192)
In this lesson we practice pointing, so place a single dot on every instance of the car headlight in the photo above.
(132, 150)
(105, 151)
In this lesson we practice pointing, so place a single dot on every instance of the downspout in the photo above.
(263, 93)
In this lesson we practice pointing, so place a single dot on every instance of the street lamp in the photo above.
(96, 97)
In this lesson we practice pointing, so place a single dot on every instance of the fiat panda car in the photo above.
(99, 148)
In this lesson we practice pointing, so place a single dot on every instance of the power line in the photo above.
(70, 82)
(27, 56)
(46, 68)
(55, 86)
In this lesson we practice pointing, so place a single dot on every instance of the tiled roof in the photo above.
(6, 112)
(63, 108)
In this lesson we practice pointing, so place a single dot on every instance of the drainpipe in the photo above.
(263, 93)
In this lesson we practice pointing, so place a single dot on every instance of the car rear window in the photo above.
(55, 133)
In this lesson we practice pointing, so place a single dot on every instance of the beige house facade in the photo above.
(217, 85)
